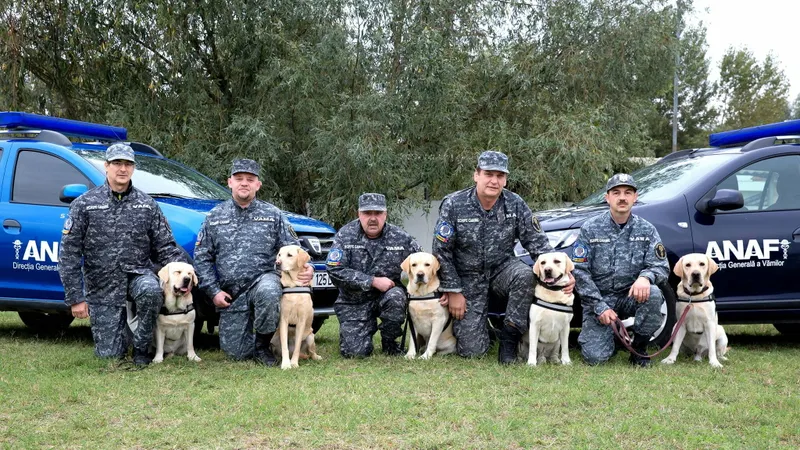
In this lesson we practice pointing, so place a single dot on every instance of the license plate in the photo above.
(322, 280)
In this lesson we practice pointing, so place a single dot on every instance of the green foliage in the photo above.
(338, 97)
(753, 93)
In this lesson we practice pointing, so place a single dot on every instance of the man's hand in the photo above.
(80, 310)
(640, 291)
(304, 277)
(382, 284)
(569, 288)
(457, 304)
(607, 317)
(222, 299)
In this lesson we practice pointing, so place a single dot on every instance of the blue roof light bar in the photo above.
(745, 135)
(27, 121)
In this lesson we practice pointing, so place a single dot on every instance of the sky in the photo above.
(762, 26)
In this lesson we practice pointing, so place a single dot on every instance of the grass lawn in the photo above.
(55, 393)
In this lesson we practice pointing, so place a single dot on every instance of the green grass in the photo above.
(55, 393)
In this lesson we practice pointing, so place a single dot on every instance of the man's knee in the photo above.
(596, 341)
(355, 338)
(146, 292)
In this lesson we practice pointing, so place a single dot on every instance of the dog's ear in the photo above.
(678, 269)
(303, 257)
(570, 264)
(536, 267)
(712, 266)
(435, 265)
(163, 274)
(194, 278)
(406, 265)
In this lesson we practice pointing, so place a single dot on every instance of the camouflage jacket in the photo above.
(354, 259)
(608, 259)
(470, 241)
(236, 245)
(114, 235)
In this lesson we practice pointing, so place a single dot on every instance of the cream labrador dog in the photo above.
(700, 333)
(297, 308)
(551, 311)
(175, 324)
(431, 324)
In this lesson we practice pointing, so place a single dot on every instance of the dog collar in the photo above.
(708, 298)
(431, 296)
(554, 306)
(297, 290)
(165, 312)
(550, 287)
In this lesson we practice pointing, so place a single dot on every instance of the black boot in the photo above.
(509, 342)
(263, 353)
(390, 346)
(639, 344)
(141, 358)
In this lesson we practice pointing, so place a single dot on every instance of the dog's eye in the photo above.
(427, 264)
(556, 261)
(543, 263)
(414, 265)
(702, 264)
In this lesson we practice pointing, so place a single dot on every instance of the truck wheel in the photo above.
(46, 322)
(788, 329)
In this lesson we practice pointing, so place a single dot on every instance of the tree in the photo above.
(753, 93)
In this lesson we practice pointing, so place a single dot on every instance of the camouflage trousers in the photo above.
(109, 322)
(358, 321)
(256, 310)
(597, 340)
(514, 283)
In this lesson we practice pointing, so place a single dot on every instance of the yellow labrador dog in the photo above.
(175, 324)
(296, 307)
(551, 311)
(431, 325)
(700, 334)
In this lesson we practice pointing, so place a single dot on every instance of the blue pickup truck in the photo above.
(737, 201)
(40, 155)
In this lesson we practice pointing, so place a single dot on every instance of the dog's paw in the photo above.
(316, 357)
(426, 355)
(285, 365)
(566, 362)
(158, 359)
(411, 356)
(668, 360)
(715, 364)
(294, 365)
(724, 358)
(194, 358)
(532, 363)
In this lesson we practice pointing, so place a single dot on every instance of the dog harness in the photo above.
(554, 306)
(297, 290)
(708, 298)
(165, 312)
(432, 296)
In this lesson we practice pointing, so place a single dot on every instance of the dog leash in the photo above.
(624, 337)
(431, 296)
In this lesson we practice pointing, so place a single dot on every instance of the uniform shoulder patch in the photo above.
(293, 233)
(444, 232)
(661, 252)
(537, 227)
(67, 225)
(334, 257)
(580, 253)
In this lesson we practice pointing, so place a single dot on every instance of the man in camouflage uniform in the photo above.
(364, 263)
(619, 260)
(115, 229)
(240, 238)
(474, 241)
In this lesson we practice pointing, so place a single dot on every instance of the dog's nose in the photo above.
(548, 273)
(186, 281)
(695, 276)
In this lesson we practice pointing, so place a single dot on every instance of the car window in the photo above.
(165, 178)
(665, 180)
(771, 184)
(31, 187)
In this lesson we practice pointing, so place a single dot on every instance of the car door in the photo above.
(757, 246)
(33, 217)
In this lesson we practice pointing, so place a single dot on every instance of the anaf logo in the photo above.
(745, 251)
(37, 250)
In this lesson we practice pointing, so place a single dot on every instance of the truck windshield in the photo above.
(164, 178)
(662, 181)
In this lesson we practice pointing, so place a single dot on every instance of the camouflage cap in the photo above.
(621, 179)
(491, 160)
(372, 202)
(119, 151)
(245, 165)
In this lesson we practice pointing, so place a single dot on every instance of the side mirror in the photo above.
(71, 191)
(723, 200)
